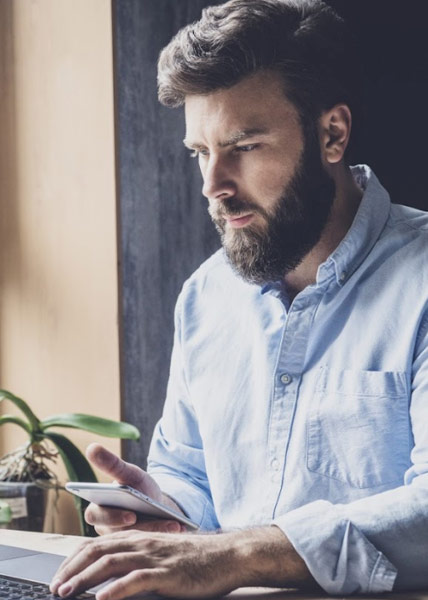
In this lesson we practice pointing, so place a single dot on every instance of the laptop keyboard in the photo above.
(18, 589)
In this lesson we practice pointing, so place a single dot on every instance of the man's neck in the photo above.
(345, 206)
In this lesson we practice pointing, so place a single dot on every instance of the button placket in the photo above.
(289, 369)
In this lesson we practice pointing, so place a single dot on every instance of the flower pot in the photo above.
(28, 504)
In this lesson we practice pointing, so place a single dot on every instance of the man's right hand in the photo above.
(108, 520)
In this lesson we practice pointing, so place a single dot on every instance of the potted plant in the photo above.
(26, 472)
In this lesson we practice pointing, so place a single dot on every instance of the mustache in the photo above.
(231, 207)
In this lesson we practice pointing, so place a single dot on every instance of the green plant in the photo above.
(5, 513)
(32, 461)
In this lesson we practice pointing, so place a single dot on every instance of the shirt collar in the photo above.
(365, 230)
(369, 221)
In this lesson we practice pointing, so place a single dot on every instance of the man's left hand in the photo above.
(188, 565)
(185, 565)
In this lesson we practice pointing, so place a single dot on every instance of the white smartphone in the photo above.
(116, 495)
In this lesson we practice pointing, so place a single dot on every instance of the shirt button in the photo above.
(275, 464)
(342, 277)
(286, 378)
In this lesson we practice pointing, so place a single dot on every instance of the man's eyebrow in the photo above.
(243, 135)
(236, 137)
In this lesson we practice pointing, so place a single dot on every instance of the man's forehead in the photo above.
(255, 106)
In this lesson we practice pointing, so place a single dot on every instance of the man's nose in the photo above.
(218, 179)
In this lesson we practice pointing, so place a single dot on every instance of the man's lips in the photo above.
(239, 221)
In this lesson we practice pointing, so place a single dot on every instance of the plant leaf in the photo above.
(99, 425)
(78, 469)
(23, 407)
(16, 420)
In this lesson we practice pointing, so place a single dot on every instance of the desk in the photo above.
(64, 544)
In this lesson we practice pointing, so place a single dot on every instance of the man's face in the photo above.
(269, 194)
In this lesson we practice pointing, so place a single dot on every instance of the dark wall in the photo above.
(393, 44)
(164, 229)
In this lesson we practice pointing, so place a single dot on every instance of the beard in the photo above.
(266, 254)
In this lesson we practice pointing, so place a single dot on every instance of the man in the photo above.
(294, 424)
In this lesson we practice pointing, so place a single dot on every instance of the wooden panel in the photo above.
(165, 228)
(58, 276)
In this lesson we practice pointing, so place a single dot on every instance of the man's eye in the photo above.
(197, 153)
(247, 147)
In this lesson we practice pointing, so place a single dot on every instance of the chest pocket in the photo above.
(358, 432)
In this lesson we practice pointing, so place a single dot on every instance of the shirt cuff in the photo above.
(338, 555)
(192, 501)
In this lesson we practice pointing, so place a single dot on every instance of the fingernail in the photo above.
(55, 585)
(172, 527)
(65, 589)
(130, 518)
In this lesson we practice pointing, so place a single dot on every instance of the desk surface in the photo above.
(64, 544)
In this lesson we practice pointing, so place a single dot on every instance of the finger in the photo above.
(124, 472)
(84, 555)
(109, 517)
(135, 582)
(58, 578)
(114, 466)
(117, 519)
(105, 567)
(159, 526)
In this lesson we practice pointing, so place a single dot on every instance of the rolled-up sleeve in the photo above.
(339, 556)
(371, 545)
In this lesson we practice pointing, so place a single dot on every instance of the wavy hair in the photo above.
(306, 41)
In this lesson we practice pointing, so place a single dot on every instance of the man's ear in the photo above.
(334, 131)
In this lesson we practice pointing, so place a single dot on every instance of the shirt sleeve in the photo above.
(176, 457)
(379, 542)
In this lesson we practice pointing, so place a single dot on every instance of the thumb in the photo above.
(123, 472)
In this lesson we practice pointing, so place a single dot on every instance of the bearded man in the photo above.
(294, 429)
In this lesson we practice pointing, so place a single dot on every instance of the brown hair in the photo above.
(305, 40)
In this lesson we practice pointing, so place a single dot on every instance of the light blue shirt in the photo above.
(312, 415)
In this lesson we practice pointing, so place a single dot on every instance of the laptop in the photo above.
(27, 573)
